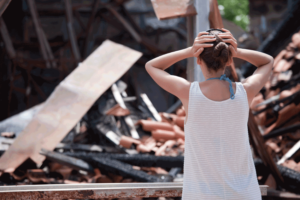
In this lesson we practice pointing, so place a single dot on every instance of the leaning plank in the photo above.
(3, 6)
(165, 9)
(69, 102)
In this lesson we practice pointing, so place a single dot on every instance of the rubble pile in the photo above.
(101, 147)
(276, 109)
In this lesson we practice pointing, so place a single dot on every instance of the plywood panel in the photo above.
(69, 102)
(166, 9)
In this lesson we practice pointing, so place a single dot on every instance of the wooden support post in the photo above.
(72, 35)
(89, 27)
(44, 45)
(7, 40)
(3, 6)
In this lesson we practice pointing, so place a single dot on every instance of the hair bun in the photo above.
(221, 50)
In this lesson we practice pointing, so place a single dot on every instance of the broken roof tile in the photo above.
(166, 9)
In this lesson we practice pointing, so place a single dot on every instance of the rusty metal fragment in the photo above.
(165, 9)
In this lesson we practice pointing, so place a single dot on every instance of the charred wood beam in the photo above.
(119, 168)
(67, 160)
(174, 107)
(284, 31)
(291, 178)
(137, 37)
(123, 169)
(72, 35)
(6, 39)
(88, 147)
(78, 17)
(3, 6)
(125, 12)
(282, 131)
(128, 120)
(261, 149)
(142, 160)
(44, 45)
(290, 153)
(89, 27)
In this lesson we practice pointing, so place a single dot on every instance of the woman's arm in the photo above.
(264, 63)
(175, 84)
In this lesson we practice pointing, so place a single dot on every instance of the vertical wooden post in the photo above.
(6, 39)
(3, 5)
(44, 45)
(72, 36)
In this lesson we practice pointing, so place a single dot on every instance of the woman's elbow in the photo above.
(147, 67)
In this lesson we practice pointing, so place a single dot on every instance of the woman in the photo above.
(217, 162)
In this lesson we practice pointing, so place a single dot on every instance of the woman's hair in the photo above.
(217, 56)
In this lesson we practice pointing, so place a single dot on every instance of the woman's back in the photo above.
(218, 162)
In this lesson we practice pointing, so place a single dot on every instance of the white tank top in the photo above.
(218, 162)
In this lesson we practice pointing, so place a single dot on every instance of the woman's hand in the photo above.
(229, 39)
(200, 43)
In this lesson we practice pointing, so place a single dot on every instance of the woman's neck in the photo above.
(213, 74)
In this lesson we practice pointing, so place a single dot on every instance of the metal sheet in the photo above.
(166, 9)
(95, 191)
(69, 102)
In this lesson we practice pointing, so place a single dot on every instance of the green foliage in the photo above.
(236, 11)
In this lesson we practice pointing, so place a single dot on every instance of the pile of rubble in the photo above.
(156, 155)
(276, 108)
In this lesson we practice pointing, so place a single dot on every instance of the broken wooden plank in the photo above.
(72, 35)
(151, 108)
(69, 102)
(291, 152)
(128, 119)
(165, 9)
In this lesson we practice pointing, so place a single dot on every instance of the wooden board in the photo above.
(69, 102)
(3, 6)
(166, 9)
